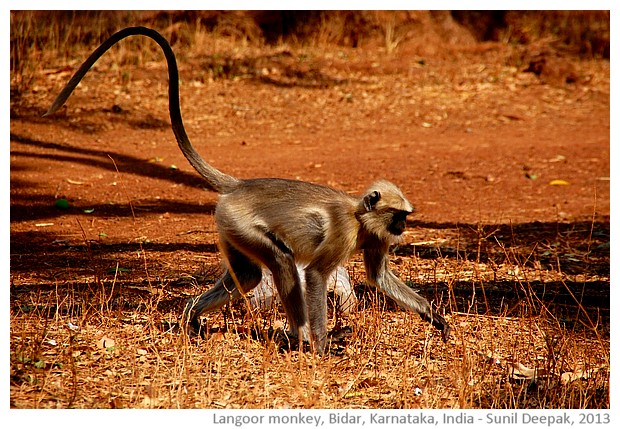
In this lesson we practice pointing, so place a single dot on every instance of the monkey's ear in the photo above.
(371, 200)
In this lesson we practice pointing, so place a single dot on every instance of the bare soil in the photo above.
(507, 170)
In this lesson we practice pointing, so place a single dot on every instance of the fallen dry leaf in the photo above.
(558, 182)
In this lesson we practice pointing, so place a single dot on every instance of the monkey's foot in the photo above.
(302, 333)
(193, 328)
(441, 324)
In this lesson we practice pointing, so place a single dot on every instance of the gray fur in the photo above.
(278, 222)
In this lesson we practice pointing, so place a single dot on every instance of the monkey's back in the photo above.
(308, 219)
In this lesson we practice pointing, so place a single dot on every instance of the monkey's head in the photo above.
(383, 211)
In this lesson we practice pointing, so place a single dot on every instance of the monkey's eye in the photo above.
(400, 216)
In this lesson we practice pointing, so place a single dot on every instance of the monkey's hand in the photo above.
(440, 323)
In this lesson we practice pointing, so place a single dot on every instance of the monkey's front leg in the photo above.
(378, 272)
(407, 298)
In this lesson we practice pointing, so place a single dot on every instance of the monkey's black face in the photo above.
(399, 223)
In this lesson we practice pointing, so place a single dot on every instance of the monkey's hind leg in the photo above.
(266, 247)
(242, 274)
(286, 280)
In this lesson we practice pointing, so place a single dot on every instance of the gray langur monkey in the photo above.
(277, 222)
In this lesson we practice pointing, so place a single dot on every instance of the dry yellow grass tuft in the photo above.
(115, 345)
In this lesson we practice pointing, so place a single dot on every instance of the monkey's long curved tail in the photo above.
(217, 181)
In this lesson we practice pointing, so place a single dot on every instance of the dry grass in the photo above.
(584, 33)
(109, 342)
